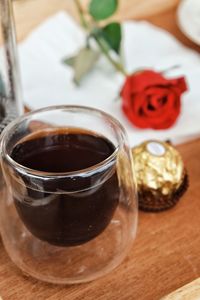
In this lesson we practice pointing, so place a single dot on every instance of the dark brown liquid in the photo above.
(67, 210)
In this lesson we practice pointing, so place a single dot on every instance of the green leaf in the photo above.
(84, 62)
(102, 9)
(113, 35)
(69, 61)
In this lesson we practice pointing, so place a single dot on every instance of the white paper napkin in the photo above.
(46, 81)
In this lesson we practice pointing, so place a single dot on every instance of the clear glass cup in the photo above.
(67, 227)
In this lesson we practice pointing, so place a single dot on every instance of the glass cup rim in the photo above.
(86, 171)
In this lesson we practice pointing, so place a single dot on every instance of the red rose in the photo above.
(151, 101)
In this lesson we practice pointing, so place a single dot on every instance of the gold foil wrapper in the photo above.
(160, 175)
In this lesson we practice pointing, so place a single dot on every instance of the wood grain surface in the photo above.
(166, 253)
(29, 13)
(162, 13)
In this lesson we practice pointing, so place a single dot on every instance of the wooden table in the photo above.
(165, 255)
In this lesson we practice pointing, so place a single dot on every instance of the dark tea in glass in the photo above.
(64, 216)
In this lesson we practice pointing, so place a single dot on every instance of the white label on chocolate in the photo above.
(155, 148)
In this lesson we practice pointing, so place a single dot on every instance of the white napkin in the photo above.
(46, 81)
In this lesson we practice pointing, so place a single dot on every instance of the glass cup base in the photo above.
(66, 265)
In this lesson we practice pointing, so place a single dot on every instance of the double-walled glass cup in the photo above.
(70, 226)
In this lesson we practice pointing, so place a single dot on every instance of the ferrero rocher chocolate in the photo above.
(160, 174)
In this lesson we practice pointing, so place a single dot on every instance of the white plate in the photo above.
(189, 19)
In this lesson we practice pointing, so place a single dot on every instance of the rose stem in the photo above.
(98, 40)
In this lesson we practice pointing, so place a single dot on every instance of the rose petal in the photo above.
(138, 101)
(169, 115)
(135, 119)
(145, 79)
(156, 90)
(134, 111)
(180, 83)
(151, 101)
(165, 124)
(140, 122)
(169, 109)
(126, 90)
(155, 103)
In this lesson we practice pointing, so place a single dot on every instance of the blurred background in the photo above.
(38, 9)
(46, 36)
